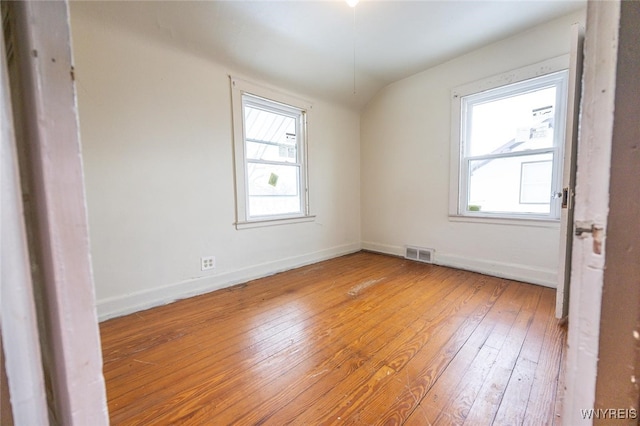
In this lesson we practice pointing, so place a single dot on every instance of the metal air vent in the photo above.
(419, 254)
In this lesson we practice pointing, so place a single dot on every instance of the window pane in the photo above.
(273, 189)
(535, 182)
(511, 185)
(515, 123)
(270, 136)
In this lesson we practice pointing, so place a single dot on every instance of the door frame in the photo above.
(591, 209)
(18, 320)
(50, 162)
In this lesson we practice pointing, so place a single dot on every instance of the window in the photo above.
(508, 150)
(270, 155)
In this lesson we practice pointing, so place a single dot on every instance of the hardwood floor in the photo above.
(361, 339)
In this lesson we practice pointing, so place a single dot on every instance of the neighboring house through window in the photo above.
(270, 155)
(508, 140)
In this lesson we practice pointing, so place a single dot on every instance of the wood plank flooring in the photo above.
(363, 339)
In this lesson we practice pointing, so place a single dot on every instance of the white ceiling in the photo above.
(308, 46)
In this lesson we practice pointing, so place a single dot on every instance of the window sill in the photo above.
(273, 222)
(511, 221)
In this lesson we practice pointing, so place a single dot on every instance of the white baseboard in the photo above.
(383, 248)
(123, 305)
(518, 272)
(512, 271)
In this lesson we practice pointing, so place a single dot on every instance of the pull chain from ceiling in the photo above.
(354, 49)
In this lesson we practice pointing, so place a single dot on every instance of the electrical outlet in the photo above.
(207, 262)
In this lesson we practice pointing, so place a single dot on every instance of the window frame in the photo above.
(246, 93)
(544, 74)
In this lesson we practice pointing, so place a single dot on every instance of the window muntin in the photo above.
(511, 140)
(270, 156)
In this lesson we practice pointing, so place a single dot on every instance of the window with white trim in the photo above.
(509, 142)
(270, 155)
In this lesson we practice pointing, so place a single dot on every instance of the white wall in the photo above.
(405, 143)
(157, 141)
